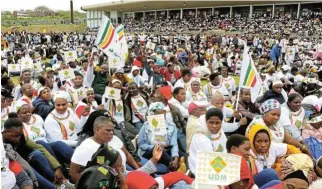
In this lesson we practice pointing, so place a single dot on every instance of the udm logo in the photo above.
(218, 164)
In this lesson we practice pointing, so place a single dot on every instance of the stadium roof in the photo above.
(150, 5)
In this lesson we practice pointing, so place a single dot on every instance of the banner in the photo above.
(14, 68)
(112, 93)
(217, 169)
(26, 63)
(107, 41)
(66, 74)
(158, 127)
(70, 56)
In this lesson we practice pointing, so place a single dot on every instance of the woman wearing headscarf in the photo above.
(312, 106)
(277, 92)
(271, 112)
(62, 124)
(209, 139)
(137, 78)
(147, 139)
(297, 171)
(264, 150)
(43, 104)
(195, 93)
(33, 129)
(292, 116)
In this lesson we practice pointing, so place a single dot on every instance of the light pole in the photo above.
(71, 12)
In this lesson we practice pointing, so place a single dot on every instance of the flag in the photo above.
(249, 77)
(120, 32)
(107, 41)
(121, 39)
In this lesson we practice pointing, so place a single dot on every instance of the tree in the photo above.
(6, 13)
(42, 8)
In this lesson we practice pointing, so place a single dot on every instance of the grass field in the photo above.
(49, 28)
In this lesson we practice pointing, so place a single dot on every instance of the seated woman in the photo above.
(87, 102)
(62, 124)
(47, 169)
(271, 112)
(292, 116)
(246, 108)
(297, 171)
(43, 104)
(195, 93)
(120, 140)
(215, 86)
(116, 109)
(33, 128)
(265, 151)
(209, 139)
(147, 140)
(277, 92)
(96, 145)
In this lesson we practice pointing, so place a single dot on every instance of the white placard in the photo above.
(70, 56)
(66, 74)
(26, 63)
(150, 45)
(14, 68)
(113, 62)
(37, 67)
(112, 93)
(158, 127)
(217, 169)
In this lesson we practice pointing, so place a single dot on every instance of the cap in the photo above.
(286, 67)
(194, 105)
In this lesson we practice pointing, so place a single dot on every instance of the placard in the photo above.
(26, 63)
(150, 45)
(70, 56)
(112, 93)
(66, 74)
(14, 68)
(113, 62)
(37, 66)
(158, 127)
(217, 169)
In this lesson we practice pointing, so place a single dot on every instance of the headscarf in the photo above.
(277, 82)
(116, 80)
(17, 105)
(41, 89)
(313, 101)
(269, 105)
(298, 166)
(61, 94)
(156, 106)
(165, 92)
(254, 129)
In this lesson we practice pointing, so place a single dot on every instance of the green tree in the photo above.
(42, 8)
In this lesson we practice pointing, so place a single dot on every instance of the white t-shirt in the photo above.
(84, 152)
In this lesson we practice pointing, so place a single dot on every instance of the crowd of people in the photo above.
(70, 134)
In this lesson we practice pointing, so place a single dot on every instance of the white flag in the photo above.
(107, 41)
(249, 77)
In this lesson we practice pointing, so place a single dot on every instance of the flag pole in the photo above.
(238, 93)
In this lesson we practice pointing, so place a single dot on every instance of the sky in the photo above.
(12, 5)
